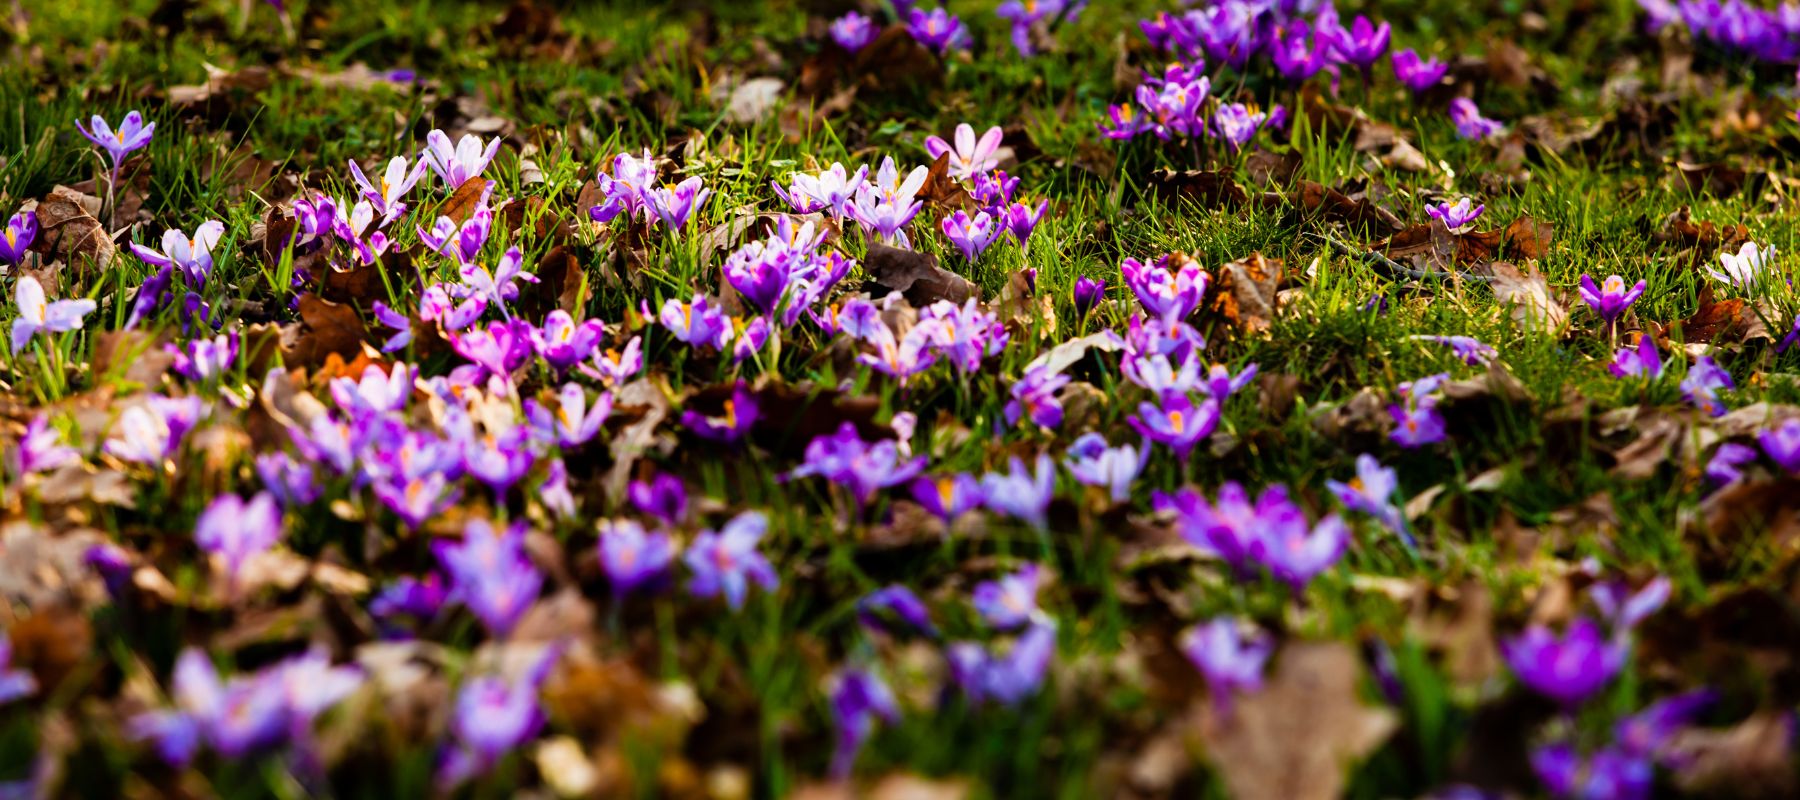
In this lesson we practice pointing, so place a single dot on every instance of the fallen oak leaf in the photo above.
(916, 276)
(67, 229)
(325, 328)
(1246, 296)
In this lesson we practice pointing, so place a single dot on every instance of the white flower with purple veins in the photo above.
(37, 313)
(394, 183)
(190, 254)
(1745, 268)
(969, 156)
(887, 187)
(457, 165)
(1456, 216)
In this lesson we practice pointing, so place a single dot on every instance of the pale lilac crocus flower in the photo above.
(395, 181)
(1093, 463)
(969, 155)
(192, 255)
(236, 531)
(1230, 658)
(458, 164)
(37, 313)
(1743, 269)
(727, 562)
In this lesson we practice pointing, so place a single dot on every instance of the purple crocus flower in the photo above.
(14, 683)
(971, 235)
(246, 715)
(377, 392)
(37, 313)
(1034, 397)
(1642, 361)
(738, 413)
(1220, 384)
(1362, 44)
(416, 499)
(291, 481)
(939, 30)
(844, 458)
(1458, 215)
(1418, 74)
(858, 700)
(1009, 602)
(438, 306)
(1237, 124)
(1168, 294)
(1020, 219)
(1470, 124)
(236, 531)
(397, 322)
(192, 255)
(457, 165)
(675, 205)
(1703, 383)
(571, 422)
(1088, 294)
(1005, 677)
(1725, 465)
(964, 335)
(204, 360)
(1177, 423)
(894, 608)
(1416, 424)
(727, 562)
(1123, 122)
(615, 367)
(499, 459)
(1569, 668)
(490, 574)
(1230, 658)
(1371, 492)
(1782, 444)
(1471, 350)
(41, 449)
(1299, 53)
(948, 496)
(499, 286)
(132, 134)
(1226, 527)
(1611, 298)
(1650, 731)
(830, 191)
(492, 719)
(699, 323)
(1623, 608)
(664, 497)
(1021, 494)
(853, 32)
(498, 349)
(1093, 463)
(16, 238)
(563, 342)
(1294, 551)
(633, 557)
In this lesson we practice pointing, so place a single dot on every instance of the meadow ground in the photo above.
(320, 499)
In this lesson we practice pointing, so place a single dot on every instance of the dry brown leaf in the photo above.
(916, 276)
(68, 230)
(1527, 295)
(1297, 737)
(325, 328)
(1246, 295)
(1753, 759)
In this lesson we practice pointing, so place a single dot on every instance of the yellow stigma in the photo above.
(946, 490)
(1175, 421)
(731, 413)
(12, 239)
